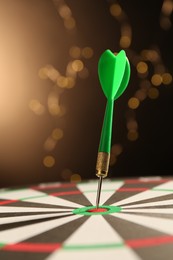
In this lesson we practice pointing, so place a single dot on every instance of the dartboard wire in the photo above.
(90, 240)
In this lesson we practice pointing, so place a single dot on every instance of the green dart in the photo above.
(114, 75)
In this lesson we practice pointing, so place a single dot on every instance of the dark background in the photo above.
(47, 42)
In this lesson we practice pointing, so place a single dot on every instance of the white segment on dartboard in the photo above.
(19, 219)
(161, 210)
(94, 231)
(108, 189)
(159, 224)
(160, 190)
(150, 204)
(25, 232)
(30, 195)
(6, 209)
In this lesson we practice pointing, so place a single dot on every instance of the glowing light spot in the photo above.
(150, 55)
(75, 52)
(75, 178)
(133, 103)
(57, 134)
(42, 73)
(54, 109)
(70, 23)
(70, 71)
(77, 65)
(62, 81)
(49, 161)
(132, 125)
(87, 52)
(156, 80)
(36, 107)
(48, 72)
(64, 11)
(142, 67)
(115, 10)
(52, 73)
(71, 82)
(49, 144)
(132, 135)
(125, 41)
(167, 7)
(153, 93)
(166, 78)
(53, 104)
(116, 149)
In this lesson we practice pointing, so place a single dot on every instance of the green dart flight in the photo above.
(114, 75)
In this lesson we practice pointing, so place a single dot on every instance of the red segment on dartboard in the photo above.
(7, 202)
(97, 210)
(31, 247)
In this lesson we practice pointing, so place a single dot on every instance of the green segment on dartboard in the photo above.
(114, 74)
(87, 211)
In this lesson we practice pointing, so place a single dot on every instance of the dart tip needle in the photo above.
(98, 192)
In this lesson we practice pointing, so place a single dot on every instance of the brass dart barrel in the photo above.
(102, 165)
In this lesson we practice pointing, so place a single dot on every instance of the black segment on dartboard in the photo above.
(161, 252)
(67, 192)
(130, 231)
(58, 234)
(131, 189)
(29, 204)
(7, 255)
(29, 222)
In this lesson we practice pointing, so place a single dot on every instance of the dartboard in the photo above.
(59, 220)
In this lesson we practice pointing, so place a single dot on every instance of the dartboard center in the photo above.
(92, 210)
(97, 210)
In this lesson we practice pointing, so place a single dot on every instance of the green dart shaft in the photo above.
(105, 141)
(106, 134)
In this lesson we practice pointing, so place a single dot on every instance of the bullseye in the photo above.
(97, 210)
(92, 210)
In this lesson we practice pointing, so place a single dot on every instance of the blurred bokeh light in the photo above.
(51, 103)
